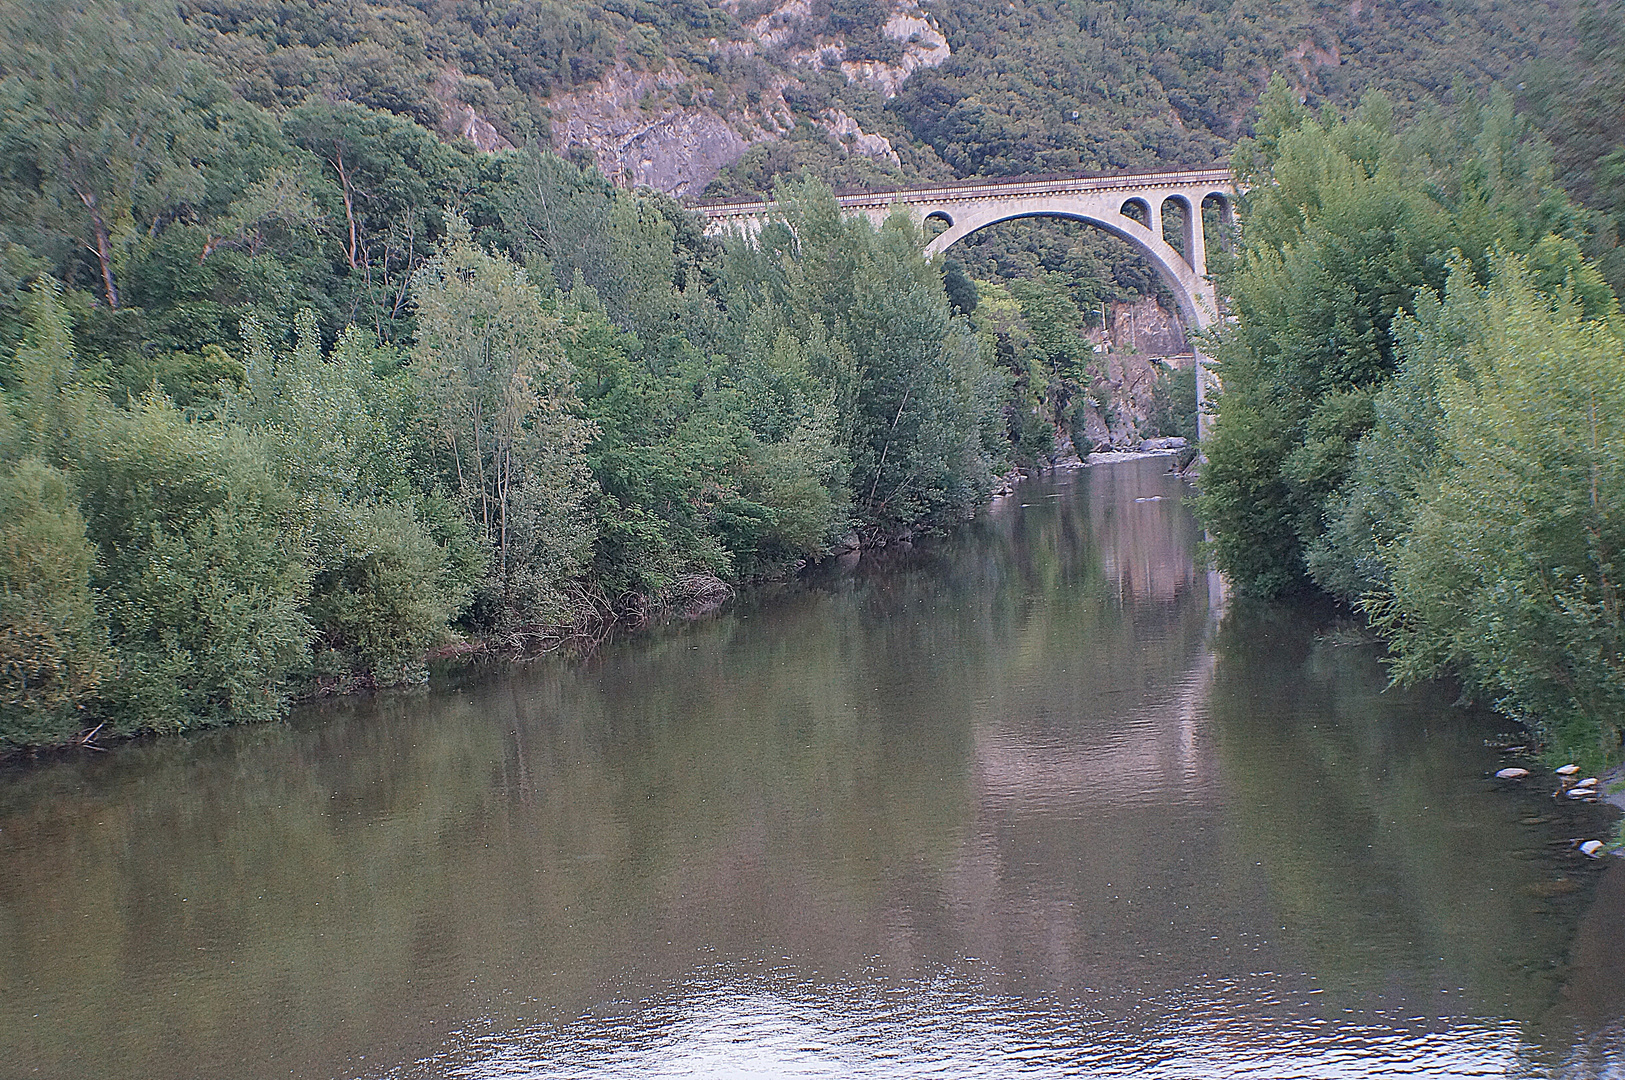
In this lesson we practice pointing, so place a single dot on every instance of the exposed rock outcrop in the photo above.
(640, 134)
(458, 118)
(851, 138)
(464, 122)
(1145, 340)
(923, 47)
(1306, 56)
(780, 24)
(658, 129)
(1144, 326)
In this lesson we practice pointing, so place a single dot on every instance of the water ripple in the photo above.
(731, 1024)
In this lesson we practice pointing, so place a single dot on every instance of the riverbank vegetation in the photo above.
(532, 459)
(295, 394)
(1421, 404)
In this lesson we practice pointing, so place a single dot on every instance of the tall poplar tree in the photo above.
(502, 413)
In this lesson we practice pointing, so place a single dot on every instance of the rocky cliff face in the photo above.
(1120, 400)
(663, 130)
(459, 119)
(846, 134)
(1144, 341)
(1144, 326)
(923, 47)
(641, 134)
(463, 122)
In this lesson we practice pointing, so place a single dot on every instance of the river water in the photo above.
(1025, 801)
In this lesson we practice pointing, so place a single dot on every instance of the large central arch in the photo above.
(1186, 278)
(1098, 200)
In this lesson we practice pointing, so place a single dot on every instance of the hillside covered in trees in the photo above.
(723, 99)
(333, 334)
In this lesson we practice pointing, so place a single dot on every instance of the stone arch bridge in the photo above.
(1132, 206)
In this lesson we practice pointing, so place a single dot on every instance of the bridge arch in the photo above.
(1184, 277)
(1127, 205)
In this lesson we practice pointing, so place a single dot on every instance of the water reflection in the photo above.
(1016, 802)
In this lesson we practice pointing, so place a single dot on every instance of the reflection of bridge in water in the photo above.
(1153, 755)
(1132, 206)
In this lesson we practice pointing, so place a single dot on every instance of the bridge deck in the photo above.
(985, 189)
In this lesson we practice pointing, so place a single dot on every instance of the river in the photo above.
(1030, 800)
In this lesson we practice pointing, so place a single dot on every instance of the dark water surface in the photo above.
(1018, 803)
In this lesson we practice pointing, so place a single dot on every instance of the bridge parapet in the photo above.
(967, 190)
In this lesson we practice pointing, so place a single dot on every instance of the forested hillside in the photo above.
(978, 87)
(724, 99)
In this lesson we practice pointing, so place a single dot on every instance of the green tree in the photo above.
(203, 568)
(710, 468)
(99, 129)
(1030, 412)
(920, 411)
(391, 567)
(1524, 600)
(502, 412)
(53, 648)
(1577, 98)
(1346, 220)
(200, 571)
(387, 184)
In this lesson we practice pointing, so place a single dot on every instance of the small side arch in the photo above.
(1222, 206)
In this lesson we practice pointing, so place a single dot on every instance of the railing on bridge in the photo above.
(965, 190)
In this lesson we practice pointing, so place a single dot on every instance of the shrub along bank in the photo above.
(1421, 412)
(326, 515)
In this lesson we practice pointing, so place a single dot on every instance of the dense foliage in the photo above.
(1578, 99)
(321, 516)
(1346, 219)
(1510, 396)
(1420, 411)
(291, 399)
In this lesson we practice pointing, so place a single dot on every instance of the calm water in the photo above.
(1028, 802)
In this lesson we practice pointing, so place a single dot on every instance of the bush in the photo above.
(1506, 563)
(53, 650)
(203, 570)
(391, 565)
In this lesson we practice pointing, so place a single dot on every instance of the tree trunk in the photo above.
(103, 246)
(349, 205)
